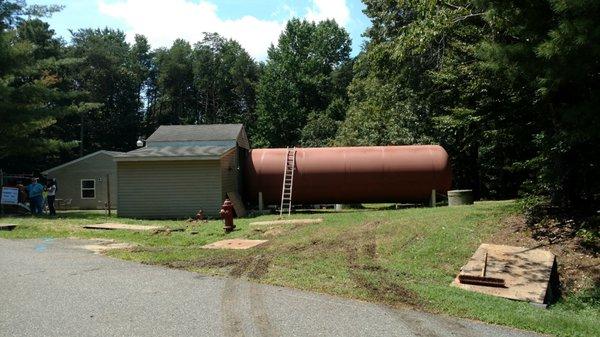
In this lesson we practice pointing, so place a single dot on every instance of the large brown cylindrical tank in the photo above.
(350, 174)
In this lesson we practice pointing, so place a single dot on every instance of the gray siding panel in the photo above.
(97, 167)
(169, 189)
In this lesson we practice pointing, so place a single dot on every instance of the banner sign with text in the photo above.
(10, 196)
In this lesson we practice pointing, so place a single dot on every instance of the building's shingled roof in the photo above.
(110, 153)
(200, 152)
(179, 133)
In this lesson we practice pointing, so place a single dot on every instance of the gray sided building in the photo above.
(82, 183)
(180, 170)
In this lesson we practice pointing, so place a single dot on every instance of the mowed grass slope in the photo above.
(396, 257)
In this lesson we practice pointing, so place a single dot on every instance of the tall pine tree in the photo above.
(34, 88)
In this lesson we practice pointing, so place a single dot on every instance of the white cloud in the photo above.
(162, 22)
(329, 9)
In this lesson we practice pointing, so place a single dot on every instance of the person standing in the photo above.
(51, 196)
(22, 193)
(44, 199)
(35, 190)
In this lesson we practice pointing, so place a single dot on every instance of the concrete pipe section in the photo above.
(460, 197)
(350, 174)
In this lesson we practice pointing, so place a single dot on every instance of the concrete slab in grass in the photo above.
(525, 271)
(288, 222)
(234, 244)
(113, 226)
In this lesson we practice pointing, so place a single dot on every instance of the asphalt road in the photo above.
(57, 288)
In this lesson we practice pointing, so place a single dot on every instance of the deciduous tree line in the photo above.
(509, 88)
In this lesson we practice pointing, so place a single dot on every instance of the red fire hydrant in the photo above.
(227, 215)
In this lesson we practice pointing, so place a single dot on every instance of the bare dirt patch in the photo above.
(269, 231)
(273, 232)
(359, 246)
(101, 246)
(578, 269)
(384, 289)
(254, 267)
(366, 272)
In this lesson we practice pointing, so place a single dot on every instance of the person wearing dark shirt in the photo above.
(35, 190)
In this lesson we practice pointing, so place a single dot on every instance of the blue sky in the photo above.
(254, 23)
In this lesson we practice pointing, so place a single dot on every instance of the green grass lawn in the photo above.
(396, 257)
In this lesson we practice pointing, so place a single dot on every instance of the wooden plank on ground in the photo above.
(526, 272)
(238, 204)
(234, 244)
(288, 222)
(113, 226)
(7, 226)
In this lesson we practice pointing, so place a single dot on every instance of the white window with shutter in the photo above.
(88, 189)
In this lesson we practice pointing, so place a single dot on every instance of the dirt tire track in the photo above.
(259, 313)
(383, 288)
(230, 321)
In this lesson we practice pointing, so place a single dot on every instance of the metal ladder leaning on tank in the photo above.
(288, 181)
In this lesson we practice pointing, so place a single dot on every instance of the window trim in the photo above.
(81, 188)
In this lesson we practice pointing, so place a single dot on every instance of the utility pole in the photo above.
(81, 136)
(108, 193)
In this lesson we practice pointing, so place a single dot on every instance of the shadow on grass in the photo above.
(361, 208)
(82, 215)
(66, 215)
(589, 298)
